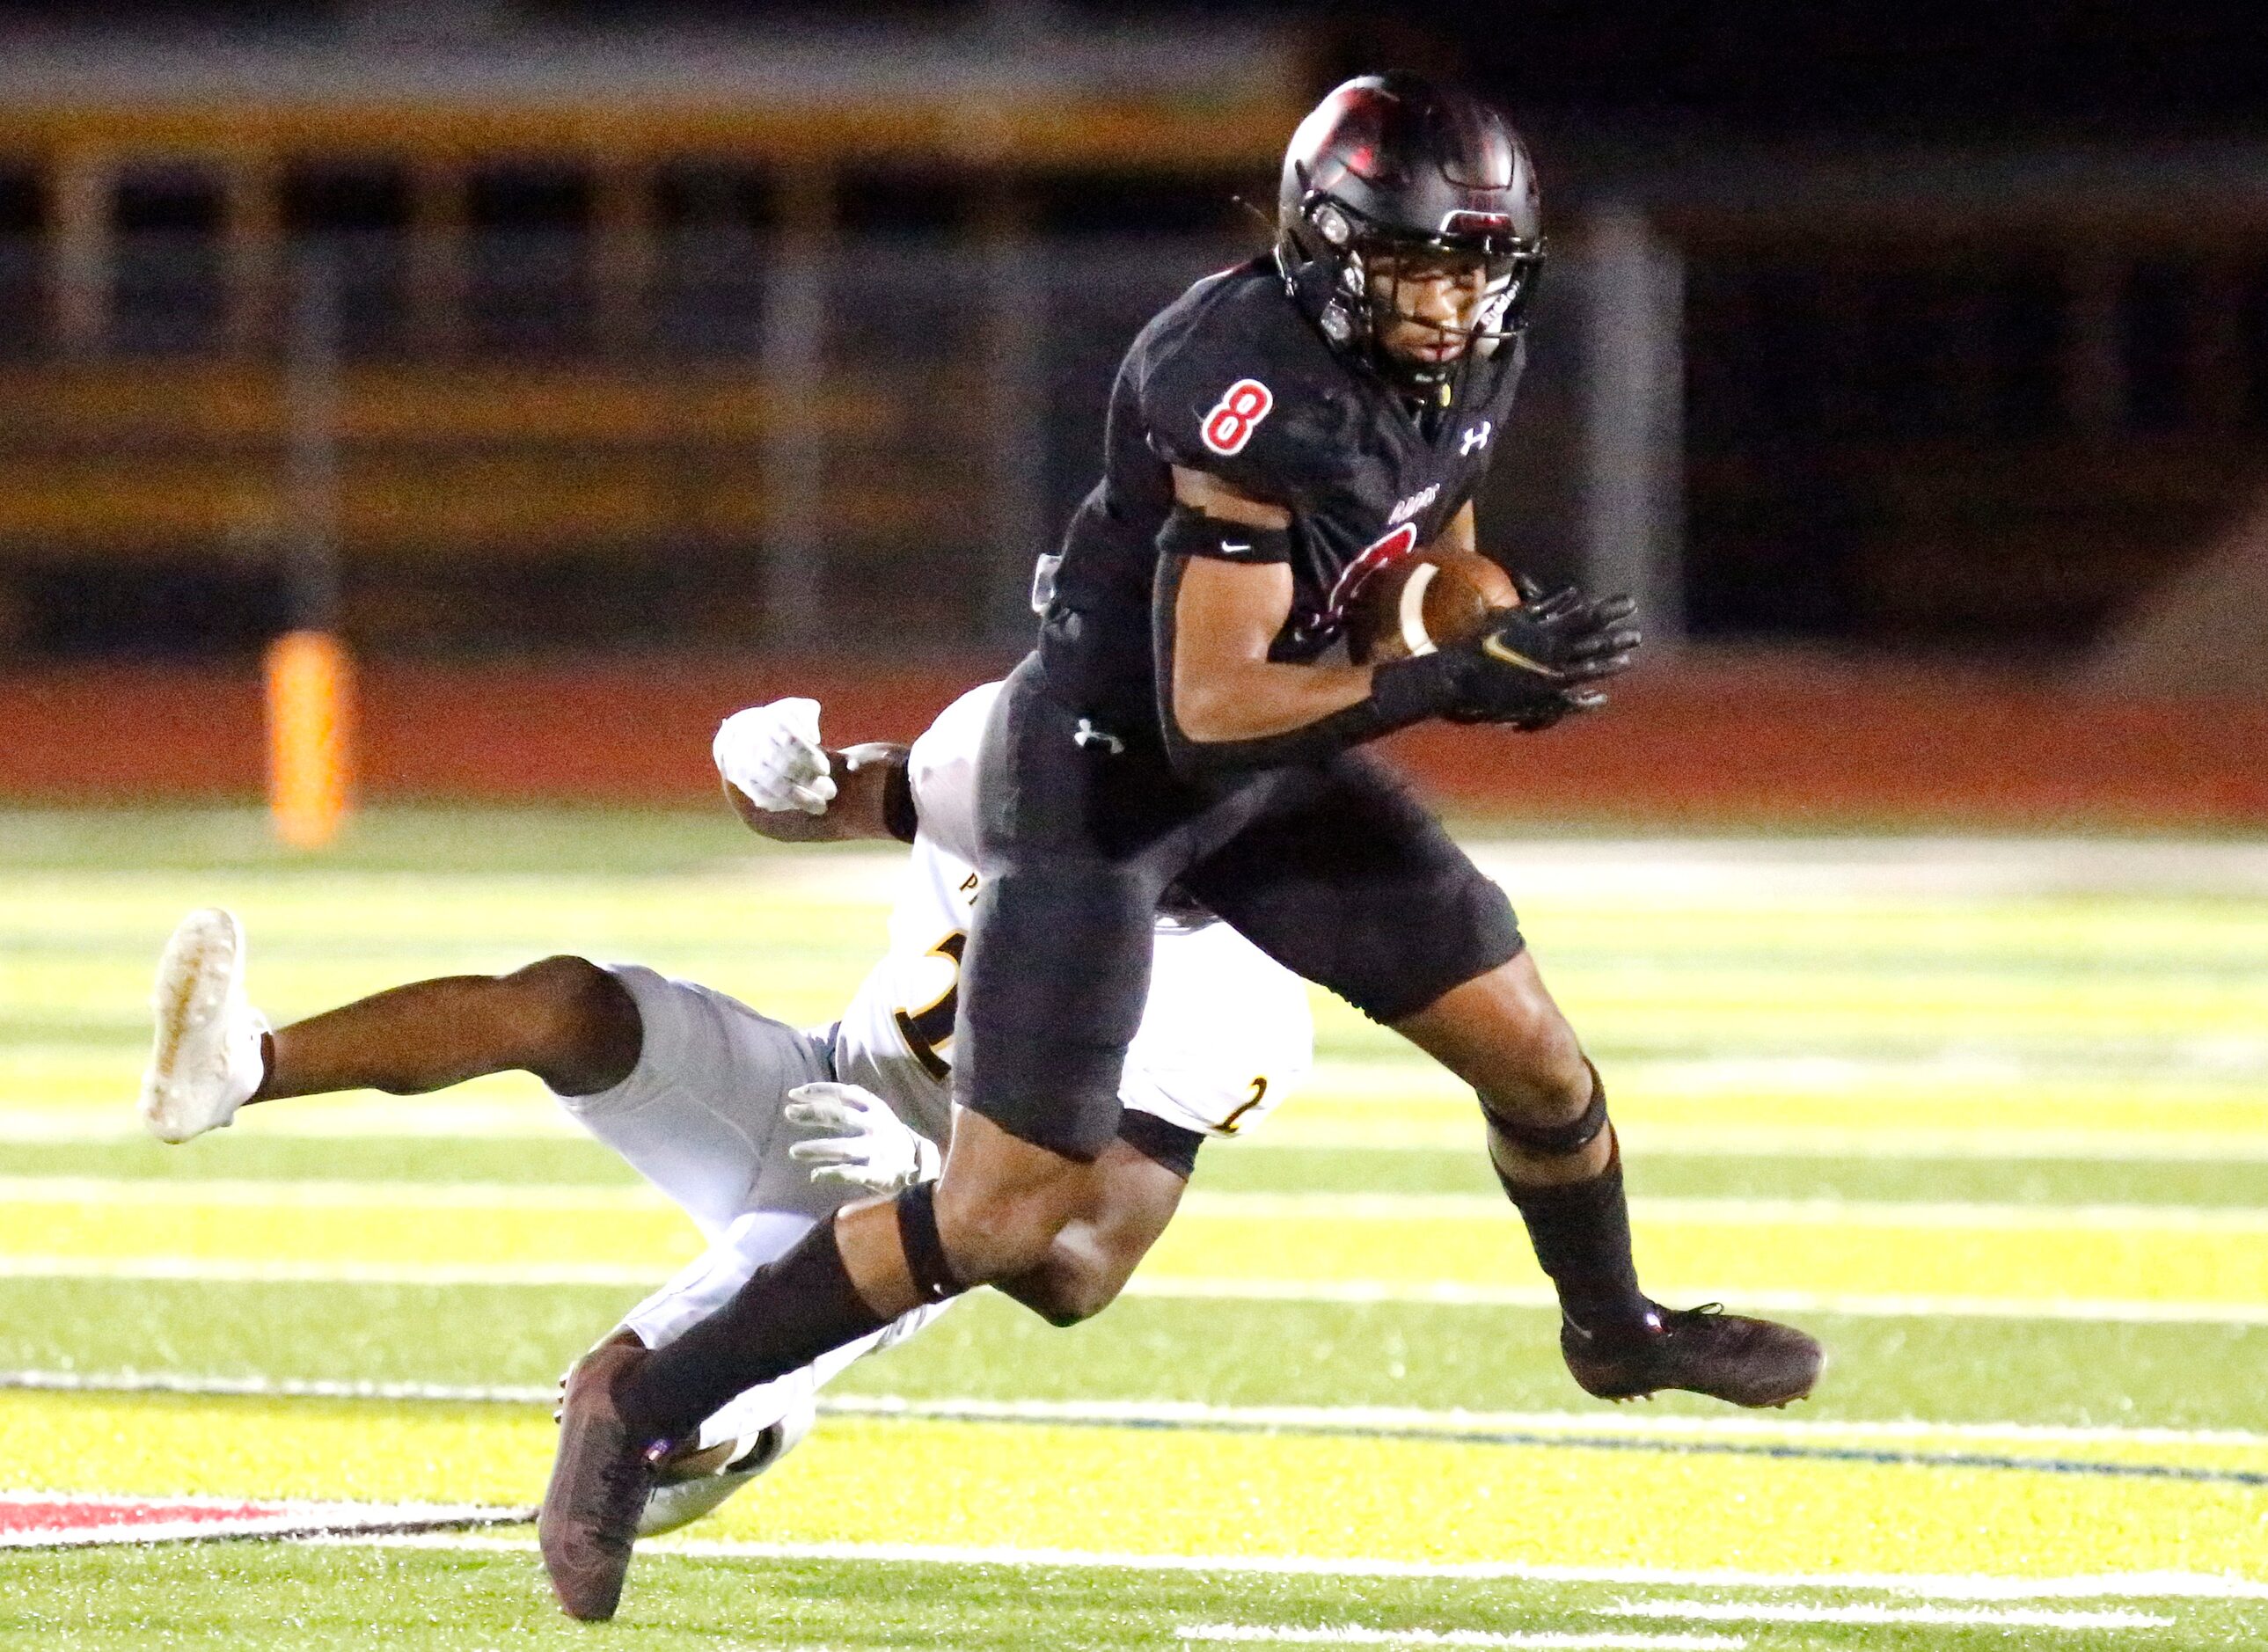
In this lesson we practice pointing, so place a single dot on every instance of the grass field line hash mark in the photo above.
(1281, 1423)
(1975, 1586)
(1871, 1612)
(273, 1271)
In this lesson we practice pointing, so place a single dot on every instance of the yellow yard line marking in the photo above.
(1396, 1208)
(2216, 1444)
(1268, 1498)
(2165, 1585)
(1358, 1292)
(1421, 1248)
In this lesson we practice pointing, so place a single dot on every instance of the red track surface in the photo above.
(1802, 744)
(59, 1512)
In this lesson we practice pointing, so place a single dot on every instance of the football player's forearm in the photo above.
(1222, 703)
(1398, 694)
(858, 810)
(1253, 700)
(1224, 706)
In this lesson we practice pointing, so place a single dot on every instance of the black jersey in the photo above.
(1233, 380)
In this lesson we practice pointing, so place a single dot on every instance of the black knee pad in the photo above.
(1558, 1140)
(924, 1246)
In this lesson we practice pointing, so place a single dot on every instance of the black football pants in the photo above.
(1334, 871)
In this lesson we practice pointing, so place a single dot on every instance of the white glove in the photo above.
(772, 753)
(876, 1151)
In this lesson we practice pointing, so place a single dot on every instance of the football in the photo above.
(1425, 602)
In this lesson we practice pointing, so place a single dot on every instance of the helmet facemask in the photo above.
(1358, 277)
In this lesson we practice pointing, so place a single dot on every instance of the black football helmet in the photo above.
(1393, 164)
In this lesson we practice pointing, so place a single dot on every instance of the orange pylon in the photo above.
(309, 679)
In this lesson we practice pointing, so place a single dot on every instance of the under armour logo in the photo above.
(1087, 734)
(1475, 438)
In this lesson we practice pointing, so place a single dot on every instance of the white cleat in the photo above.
(679, 1501)
(206, 1062)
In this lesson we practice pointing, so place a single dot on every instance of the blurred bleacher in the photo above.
(759, 343)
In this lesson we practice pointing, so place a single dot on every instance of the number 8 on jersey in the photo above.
(1233, 418)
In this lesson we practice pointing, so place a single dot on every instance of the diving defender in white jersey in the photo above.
(705, 1097)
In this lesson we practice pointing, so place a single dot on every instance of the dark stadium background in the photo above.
(1964, 312)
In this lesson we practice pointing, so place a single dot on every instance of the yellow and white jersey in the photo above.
(1225, 1035)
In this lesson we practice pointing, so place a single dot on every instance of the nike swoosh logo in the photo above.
(1496, 649)
(1226, 545)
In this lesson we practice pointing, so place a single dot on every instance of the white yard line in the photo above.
(1394, 1207)
(1831, 1213)
(312, 1193)
(1358, 1634)
(1358, 1292)
(1861, 1306)
(1412, 1423)
(325, 1120)
(1923, 1585)
(1767, 1612)
(1417, 1422)
(274, 1387)
(1829, 1142)
(1777, 872)
(279, 1271)
(54, 1126)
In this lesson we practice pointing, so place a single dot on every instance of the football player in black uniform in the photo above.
(1282, 431)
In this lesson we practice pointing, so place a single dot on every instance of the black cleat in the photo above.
(599, 1486)
(1706, 1350)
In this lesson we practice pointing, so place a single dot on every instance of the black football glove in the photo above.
(1542, 660)
(1534, 665)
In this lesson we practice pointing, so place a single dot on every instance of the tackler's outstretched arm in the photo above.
(786, 786)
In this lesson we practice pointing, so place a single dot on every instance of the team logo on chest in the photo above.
(1377, 555)
(1405, 509)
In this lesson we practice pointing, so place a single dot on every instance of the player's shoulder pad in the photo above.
(1233, 381)
(941, 768)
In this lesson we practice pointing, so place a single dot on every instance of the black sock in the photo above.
(790, 1312)
(1582, 1240)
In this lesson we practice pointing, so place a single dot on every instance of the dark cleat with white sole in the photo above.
(1704, 1350)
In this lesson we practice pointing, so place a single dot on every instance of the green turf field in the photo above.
(1992, 1120)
